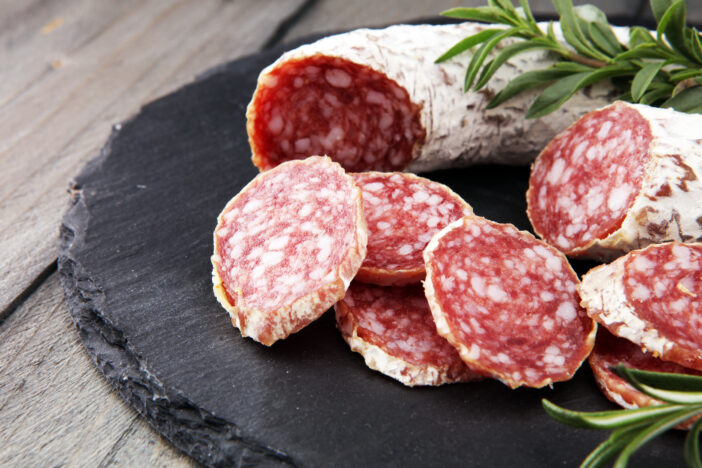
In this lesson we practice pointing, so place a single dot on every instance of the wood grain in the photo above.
(55, 407)
(105, 60)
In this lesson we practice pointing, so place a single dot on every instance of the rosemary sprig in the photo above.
(665, 70)
(632, 428)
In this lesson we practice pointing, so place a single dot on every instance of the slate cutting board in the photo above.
(134, 262)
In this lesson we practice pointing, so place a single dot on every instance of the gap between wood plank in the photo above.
(24, 295)
(287, 24)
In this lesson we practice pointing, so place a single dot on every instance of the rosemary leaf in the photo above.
(610, 447)
(662, 380)
(507, 53)
(653, 431)
(559, 92)
(692, 445)
(687, 100)
(643, 79)
(467, 43)
(481, 54)
(608, 419)
(480, 14)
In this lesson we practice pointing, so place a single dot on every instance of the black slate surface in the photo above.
(134, 262)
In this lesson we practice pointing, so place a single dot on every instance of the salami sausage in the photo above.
(507, 302)
(610, 351)
(620, 178)
(392, 328)
(373, 99)
(653, 298)
(287, 246)
(403, 211)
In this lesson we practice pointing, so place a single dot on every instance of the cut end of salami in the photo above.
(392, 328)
(507, 302)
(403, 212)
(329, 105)
(610, 351)
(287, 246)
(585, 180)
(653, 298)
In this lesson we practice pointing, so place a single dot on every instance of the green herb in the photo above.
(632, 428)
(665, 70)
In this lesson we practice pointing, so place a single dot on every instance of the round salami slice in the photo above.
(403, 212)
(653, 298)
(610, 351)
(287, 246)
(620, 178)
(507, 302)
(373, 99)
(392, 328)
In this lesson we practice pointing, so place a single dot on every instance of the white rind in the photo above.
(459, 130)
(602, 295)
(657, 216)
(267, 327)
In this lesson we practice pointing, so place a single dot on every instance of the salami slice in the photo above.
(610, 351)
(507, 302)
(653, 298)
(287, 246)
(392, 328)
(620, 178)
(373, 99)
(403, 211)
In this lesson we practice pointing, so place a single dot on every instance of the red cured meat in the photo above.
(585, 180)
(403, 212)
(610, 351)
(664, 287)
(392, 328)
(507, 302)
(328, 105)
(287, 246)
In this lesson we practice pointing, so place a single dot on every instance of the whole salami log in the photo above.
(653, 298)
(392, 328)
(373, 99)
(403, 212)
(507, 302)
(287, 246)
(610, 351)
(620, 178)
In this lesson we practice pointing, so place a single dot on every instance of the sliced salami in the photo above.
(403, 212)
(373, 99)
(620, 178)
(287, 246)
(392, 328)
(507, 302)
(610, 351)
(653, 298)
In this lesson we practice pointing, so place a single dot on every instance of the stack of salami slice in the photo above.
(426, 291)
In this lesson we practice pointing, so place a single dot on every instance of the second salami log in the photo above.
(373, 99)
(618, 179)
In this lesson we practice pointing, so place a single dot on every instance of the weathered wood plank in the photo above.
(329, 15)
(55, 407)
(51, 128)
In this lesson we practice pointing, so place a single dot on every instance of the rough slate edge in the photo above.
(201, 435)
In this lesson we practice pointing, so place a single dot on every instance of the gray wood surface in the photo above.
(69, 70)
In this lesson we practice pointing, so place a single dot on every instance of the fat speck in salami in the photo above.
(287, 246)
(403, 211)
(392, 328)
(507, 302)
(653, 298)
(618, 179)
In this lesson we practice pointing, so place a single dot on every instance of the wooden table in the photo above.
(69, 71)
